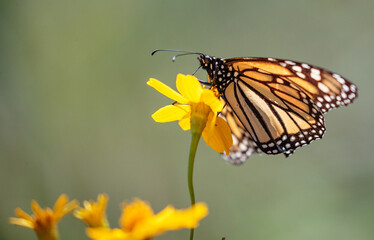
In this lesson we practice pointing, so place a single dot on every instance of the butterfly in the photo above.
(273, 105)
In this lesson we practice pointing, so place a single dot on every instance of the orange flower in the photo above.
(93, 213)
(138, 222)
(44, 221)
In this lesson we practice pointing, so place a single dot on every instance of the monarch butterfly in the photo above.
(273, 105)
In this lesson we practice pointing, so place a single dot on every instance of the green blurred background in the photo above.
(75, 114)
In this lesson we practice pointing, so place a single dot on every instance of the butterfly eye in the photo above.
(204, 61)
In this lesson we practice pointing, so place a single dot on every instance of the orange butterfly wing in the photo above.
(327, 89)
(278, 102)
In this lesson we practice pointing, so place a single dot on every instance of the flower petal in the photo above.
(185, 122)
(38, 211)
(62, 206)
(135, 213)
(185, 218)
(93, 213)
(107, 234)
(21, 222)
(21, 214)
(189, 87)
(167, 91)
(170, 219)
(211, 100)
(219, 138)
(210, 125)
(171, 113)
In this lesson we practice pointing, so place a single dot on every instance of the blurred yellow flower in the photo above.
(44, 221)
(197, 109)
(93, 213)
(138, 222)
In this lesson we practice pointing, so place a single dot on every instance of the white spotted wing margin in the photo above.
(328, 90)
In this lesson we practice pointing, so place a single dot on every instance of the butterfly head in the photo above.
(205, 61)
(215, 67)
(209, 64)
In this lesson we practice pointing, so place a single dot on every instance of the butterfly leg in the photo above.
(205, 83)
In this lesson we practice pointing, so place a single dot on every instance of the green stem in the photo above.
(191, 160)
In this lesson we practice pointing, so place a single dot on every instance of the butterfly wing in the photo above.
(279, 103)
(328, 90)
(243, 145)
(278, 115)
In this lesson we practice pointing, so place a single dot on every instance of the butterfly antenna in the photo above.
(182, 52)
(173, 50)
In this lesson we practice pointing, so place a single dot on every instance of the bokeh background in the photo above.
(75, 114)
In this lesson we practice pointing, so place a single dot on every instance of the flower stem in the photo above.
(191, 160)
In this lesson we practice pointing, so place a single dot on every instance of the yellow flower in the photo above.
(197, 109)
(44, 222)
(138, 222)
(93, 213)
